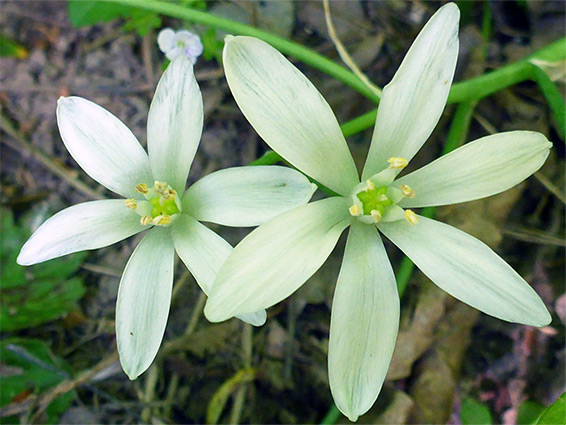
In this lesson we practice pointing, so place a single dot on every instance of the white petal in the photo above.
(204, 252)
(102, 145)
(256, 319)
(85, 226)
(174, 52)
(174, 125)
(288, 112)
(478, 169)
(166, 40)
(144, 298)
(468, 270)
(247, 196)
(277, 258)
(364, 323)
(411, 104)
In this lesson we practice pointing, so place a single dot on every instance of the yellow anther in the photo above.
(376, 215)
(382, 198)
(162, 220)
(145, 220)
(369, 186)
(170, 194)
(160, 187)
(397, 163)
(142, 188)
(355, 210)
(407, 191)
(131, 203)
(411, 217)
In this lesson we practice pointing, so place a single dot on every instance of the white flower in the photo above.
(277, 258)
(180, 43)
(154, 188)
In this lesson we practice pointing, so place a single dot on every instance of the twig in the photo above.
(149, 393)
(51, 165)
(147, 47)
(240, 396)
(344, 55)
(551, 187)
(197, 311)
(64, 387)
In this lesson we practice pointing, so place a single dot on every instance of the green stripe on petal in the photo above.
(90, 225)
(478, 169)
(364, 323)
(274, 260)
(468, 270)
(288, 112)
(247, 196)
(144, 298)
(174, 124)
(411, 104)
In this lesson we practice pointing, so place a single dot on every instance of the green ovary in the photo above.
(374, 199)
(162, 206)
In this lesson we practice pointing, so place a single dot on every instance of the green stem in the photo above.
(473, 89)
(456, 137)
(553, 97)
(288, 47)
(479, 87)
(331, 417)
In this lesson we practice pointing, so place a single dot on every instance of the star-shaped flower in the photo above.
(154, 188)
(278, 257)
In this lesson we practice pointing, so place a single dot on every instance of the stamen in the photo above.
(407, 191)
(131, 203)
(162, 220)
(161, 188)
(397, 163)
(355, 210)
(376, 215)
(145, 220)
(369, 186)
(411, 217)
(170, 194)
(142, 188)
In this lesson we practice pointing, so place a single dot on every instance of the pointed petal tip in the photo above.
(256, 319)
(228, 38)
(352, 418)
(132, 376)
(23, 259)
(545, 319)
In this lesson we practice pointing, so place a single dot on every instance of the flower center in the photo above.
(160, 207)
(376, 199)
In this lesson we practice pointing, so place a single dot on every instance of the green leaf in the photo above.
(11, 48)
(85, 13)
(42, 301)
(212, 46)
(475, 413)
(554, 414)
(29, 367)
(142, 21)
(528, 412)
(37, 294)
